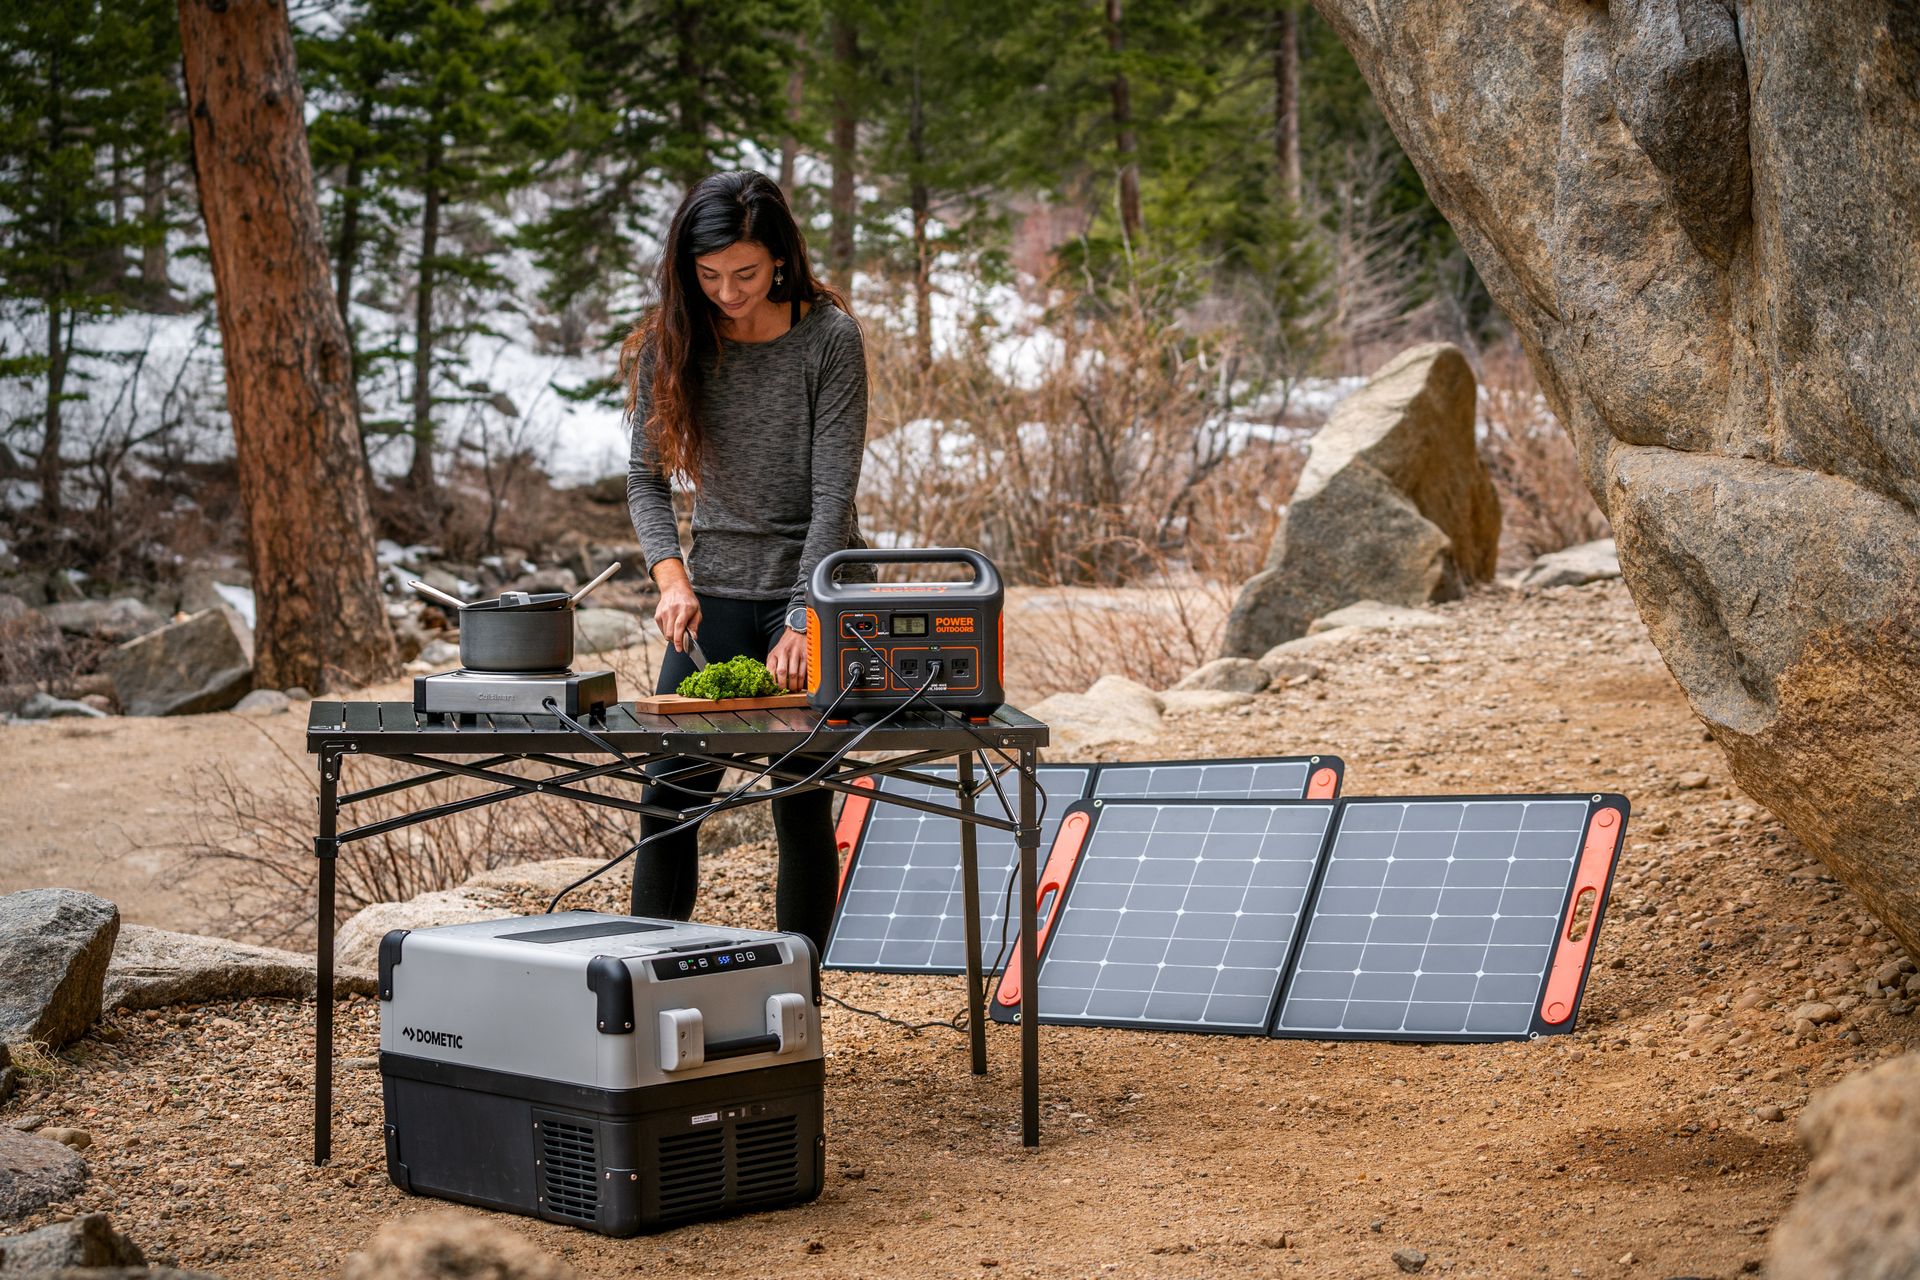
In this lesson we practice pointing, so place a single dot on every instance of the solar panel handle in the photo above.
(1053, 879)
(1604, 832)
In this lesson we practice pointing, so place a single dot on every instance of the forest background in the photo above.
(1115, 260)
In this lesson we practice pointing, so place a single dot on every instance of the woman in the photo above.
(748, 379)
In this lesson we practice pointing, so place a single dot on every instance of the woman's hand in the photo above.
(678, 613)
(787, 663)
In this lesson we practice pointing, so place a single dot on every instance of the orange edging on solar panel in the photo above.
(853, 813)
(1066, 851)
(1570, 953)
(1324, 784)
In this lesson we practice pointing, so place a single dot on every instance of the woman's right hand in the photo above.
(678, 613)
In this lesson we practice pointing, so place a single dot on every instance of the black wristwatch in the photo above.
(797, 619)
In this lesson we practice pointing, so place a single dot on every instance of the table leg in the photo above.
(970, 877)
(327, 849)
(1028, 838)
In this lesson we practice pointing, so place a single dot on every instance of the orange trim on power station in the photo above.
(813, 651)
(1053, 879)
(853, 815)
(1324, 785)
(1570, 953)
(1000, 652)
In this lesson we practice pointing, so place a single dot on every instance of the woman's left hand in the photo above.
(787, 663)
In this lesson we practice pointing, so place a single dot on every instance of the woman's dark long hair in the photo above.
(683, 327)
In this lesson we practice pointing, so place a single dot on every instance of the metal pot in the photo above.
(518, 632)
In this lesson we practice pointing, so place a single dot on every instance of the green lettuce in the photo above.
(740, 677)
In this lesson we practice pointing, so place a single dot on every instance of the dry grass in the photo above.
(1544, 503)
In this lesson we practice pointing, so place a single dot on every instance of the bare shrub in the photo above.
(1544, 503)
(1153, 633)
(254, 854)
(1097, 452)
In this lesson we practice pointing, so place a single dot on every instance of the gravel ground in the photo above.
(1733, 977)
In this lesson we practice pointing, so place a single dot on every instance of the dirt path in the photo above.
(1644, 1144)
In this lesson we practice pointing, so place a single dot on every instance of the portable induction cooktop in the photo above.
(525, 693)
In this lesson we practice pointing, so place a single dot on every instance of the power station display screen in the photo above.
(909, 624)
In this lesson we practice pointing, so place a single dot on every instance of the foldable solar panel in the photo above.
(902, 908)
(1420, 918)
(902, 905)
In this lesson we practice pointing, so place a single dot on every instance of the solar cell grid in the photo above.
(1435, 918)
(1222, 780)
(903, 908)
(1182, 915)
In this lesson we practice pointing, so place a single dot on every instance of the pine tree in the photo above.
(444, 106)
(86, 96)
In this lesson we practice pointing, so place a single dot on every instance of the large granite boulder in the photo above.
(34, 1173)
(1597, 561)
(54, 946)
(202, 664)
(1858, 1213)
(31, 646)
(154, 968)
(1699, 218)
(87, 1241)
(1393, 505)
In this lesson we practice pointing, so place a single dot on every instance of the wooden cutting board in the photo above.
(667, 704)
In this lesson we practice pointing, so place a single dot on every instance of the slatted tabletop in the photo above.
(376, 727)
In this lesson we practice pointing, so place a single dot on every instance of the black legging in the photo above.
(666, 874)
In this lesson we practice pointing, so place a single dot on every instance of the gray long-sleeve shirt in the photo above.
(786, 424)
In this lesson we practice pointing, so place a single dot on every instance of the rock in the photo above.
(1699, 228)
(1228, 675)
(488, 895)
(1283, 669)
(202, 664)
(1858, 1212)
(1769, 1113)
(1114, 710)
(44, 706)
(9, 1075)
(1372, 615)
(1187, 702)
(34, 1173)
(1313, 649)
(604, 630)
(262, 702)
(88, 1241)
(1409, 1260)
(77, 1139)
(54, 945)
(1573, 567)
(442, 1245)
(109, 621)
(1816, 1012)
(440, 653)
(154, 968)
(1393, 504)
(31, 647)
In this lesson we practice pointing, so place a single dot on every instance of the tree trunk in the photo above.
(690, 109)
(420, 475)
(1286, 99)
(1124, 145)
(50, 477)
(919, 198)
(790, 144)
(349, 249)
(846, 54)
(153, 211)
(303, 486)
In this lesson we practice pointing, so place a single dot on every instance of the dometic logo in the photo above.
(438, 1039)
(951, 626)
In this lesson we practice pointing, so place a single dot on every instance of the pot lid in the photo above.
(522, 602)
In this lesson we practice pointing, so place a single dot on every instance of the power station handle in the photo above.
(741, 1047)
(985, 576)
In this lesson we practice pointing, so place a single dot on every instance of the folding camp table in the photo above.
(497, 745)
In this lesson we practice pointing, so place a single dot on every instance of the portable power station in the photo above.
(609, 1072)
(878, 642)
